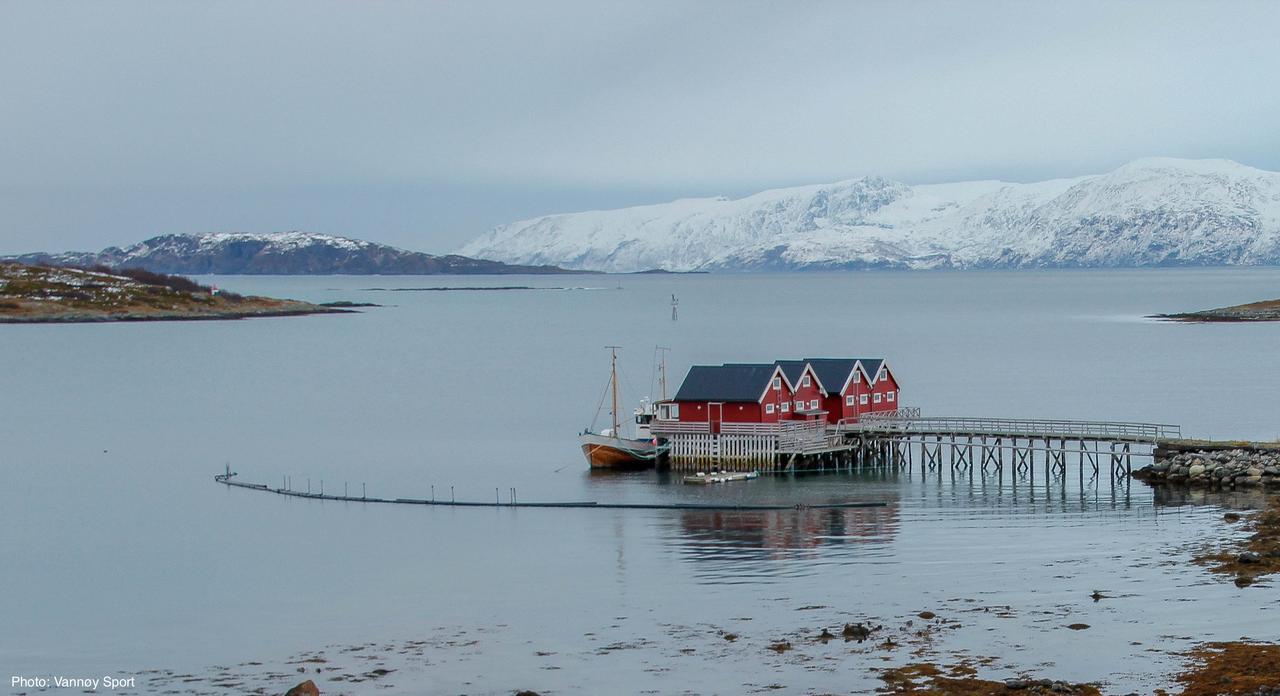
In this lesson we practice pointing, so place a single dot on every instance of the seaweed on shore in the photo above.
(1228, 669)
(1257, 556)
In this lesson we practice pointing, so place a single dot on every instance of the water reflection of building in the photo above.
(733, 533)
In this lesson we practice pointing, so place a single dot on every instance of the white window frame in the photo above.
(786, 407)
(777, 383)
(813, 404)
(799, 406)
(804, 382)
(669, 412)
(768, 408)
(877, 398)
(863, 399)
(888, 397)
(850, 400)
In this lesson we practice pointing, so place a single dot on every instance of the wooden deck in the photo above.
(956, 442)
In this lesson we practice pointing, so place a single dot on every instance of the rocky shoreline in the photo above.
(48, 295)
(1267, 310)
(1219, 468)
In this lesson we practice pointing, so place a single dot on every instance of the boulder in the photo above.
(1196, 470)
(306, 688)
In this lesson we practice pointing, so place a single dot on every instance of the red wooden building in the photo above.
(855, 386)
(830, 389)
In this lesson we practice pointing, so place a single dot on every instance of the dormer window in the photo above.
(777, 383)
(805, 381)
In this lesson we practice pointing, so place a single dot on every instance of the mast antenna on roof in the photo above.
(662, 370)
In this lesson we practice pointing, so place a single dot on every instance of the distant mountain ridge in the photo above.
(1150, 212)
(278, 253)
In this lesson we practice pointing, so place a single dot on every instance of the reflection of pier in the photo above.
(905, 439)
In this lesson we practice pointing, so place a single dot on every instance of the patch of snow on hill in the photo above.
(1157, 211)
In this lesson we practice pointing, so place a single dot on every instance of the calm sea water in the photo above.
(120, 554)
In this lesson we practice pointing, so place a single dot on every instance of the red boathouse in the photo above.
(833, 390)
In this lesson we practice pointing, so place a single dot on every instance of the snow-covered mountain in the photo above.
(1146, 213)
(279, 253)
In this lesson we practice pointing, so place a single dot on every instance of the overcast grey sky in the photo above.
(423, 124)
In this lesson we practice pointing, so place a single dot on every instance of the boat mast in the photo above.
(613, 383)
(662, 371)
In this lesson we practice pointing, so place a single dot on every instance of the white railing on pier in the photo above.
(784, 428)
(662, 427)
(1025, 427)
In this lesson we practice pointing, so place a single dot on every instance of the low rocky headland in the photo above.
(42, 294)
(1222, 466)
(1267, 310)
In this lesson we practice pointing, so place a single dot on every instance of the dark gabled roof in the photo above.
(872, 366)
(832, 372)
(793, 369)
(740, 382)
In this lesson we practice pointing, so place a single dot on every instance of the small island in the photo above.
(1267, 310)
(48, 294)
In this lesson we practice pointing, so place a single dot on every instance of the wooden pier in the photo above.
(905, 439)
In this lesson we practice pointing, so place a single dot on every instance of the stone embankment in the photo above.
(1219, 468)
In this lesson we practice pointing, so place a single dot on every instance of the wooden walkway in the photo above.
(903, 438)
(1112, 431)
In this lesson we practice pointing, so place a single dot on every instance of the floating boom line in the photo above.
(226, 479)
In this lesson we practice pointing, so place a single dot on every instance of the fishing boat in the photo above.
(721, 477)
(608, 449)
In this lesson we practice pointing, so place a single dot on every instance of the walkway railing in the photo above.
(1025, 427)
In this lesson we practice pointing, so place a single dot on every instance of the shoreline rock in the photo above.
(1233, 468)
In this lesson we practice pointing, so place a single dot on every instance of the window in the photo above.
(889, 396)
(883, 373)
(786, 406)
(863, 399)
(805, 382)
(777, 383)
(768, 408)
(669, 412)
(813, 405)
(878, 398)
(849, 400)
(799, 405)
